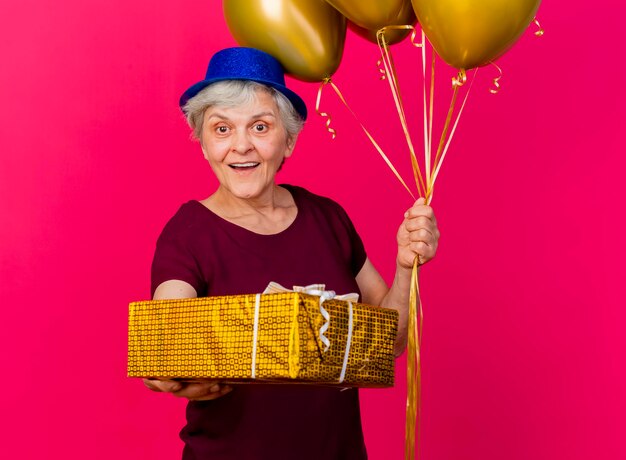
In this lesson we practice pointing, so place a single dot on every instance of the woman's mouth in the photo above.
(244, 166)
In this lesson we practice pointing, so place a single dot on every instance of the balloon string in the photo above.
(395, 88)
(413, 402)
(539, 32)
(332, 131)
(416, 311)
(432, 109)
(369, 136)
(445, 150)
(426, 110)
(430, 119)
(457, 82)
(414, 374)
(395, 91)
(442, 139)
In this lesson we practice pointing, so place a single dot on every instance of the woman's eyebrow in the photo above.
(263, 114)
(217, 115)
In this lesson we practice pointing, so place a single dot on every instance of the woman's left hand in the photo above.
(418, 236)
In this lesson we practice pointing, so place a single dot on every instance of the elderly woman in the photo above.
(251, 231)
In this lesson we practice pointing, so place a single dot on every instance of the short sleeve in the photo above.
(358, 256)
(174, 259)
(341, 227)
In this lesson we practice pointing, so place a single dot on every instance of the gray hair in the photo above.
(231, 93)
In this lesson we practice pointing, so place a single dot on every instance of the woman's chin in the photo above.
(248, 191)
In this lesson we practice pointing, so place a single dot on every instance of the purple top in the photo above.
(217, 257)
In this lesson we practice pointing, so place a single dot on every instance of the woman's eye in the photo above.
(260, 127)
(222, 129)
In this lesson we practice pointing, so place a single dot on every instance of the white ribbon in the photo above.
(318, 290)
(342, 376)
(255, 333)
(324, 295)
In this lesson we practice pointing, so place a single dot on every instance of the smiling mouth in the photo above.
(244, 166)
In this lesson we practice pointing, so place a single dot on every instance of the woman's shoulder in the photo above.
(305, 197)
(189, 215)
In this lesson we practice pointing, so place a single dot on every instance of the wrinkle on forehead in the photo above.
(225, 117)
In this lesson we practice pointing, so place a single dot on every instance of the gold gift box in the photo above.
(216, 338)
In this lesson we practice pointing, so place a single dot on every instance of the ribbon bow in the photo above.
(324, 295)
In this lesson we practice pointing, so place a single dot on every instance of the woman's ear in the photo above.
(291, 144)
(199, 137)
(204, 152)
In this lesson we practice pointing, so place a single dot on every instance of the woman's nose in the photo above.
(242, 142)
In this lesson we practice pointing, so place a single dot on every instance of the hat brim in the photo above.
(295, 100)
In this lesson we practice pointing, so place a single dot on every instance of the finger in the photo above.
(166, 386)
(198, 390)
(422, 234)
(416, 223)
(426, 252)
(420, 210)
(420, 248)
(224, 389)
(150, 385)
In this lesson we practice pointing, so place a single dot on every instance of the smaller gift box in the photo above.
(288, 337)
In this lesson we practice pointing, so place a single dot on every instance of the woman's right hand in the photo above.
(194, 390)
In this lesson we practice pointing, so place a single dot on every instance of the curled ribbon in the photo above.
(369, 136)
(496, 84)
(324, 296)
(414, 36)
(539, 32)
(383, 73)
(326, 115)
(460, 79)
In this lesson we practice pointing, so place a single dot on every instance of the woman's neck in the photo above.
(269, 214)
(237, 206)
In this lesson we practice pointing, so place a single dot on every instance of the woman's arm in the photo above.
(418, 236)
(197, 391)
(174, 289)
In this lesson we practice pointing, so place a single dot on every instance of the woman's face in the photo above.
(245, 145)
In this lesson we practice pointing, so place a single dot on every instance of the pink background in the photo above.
(523, 344)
